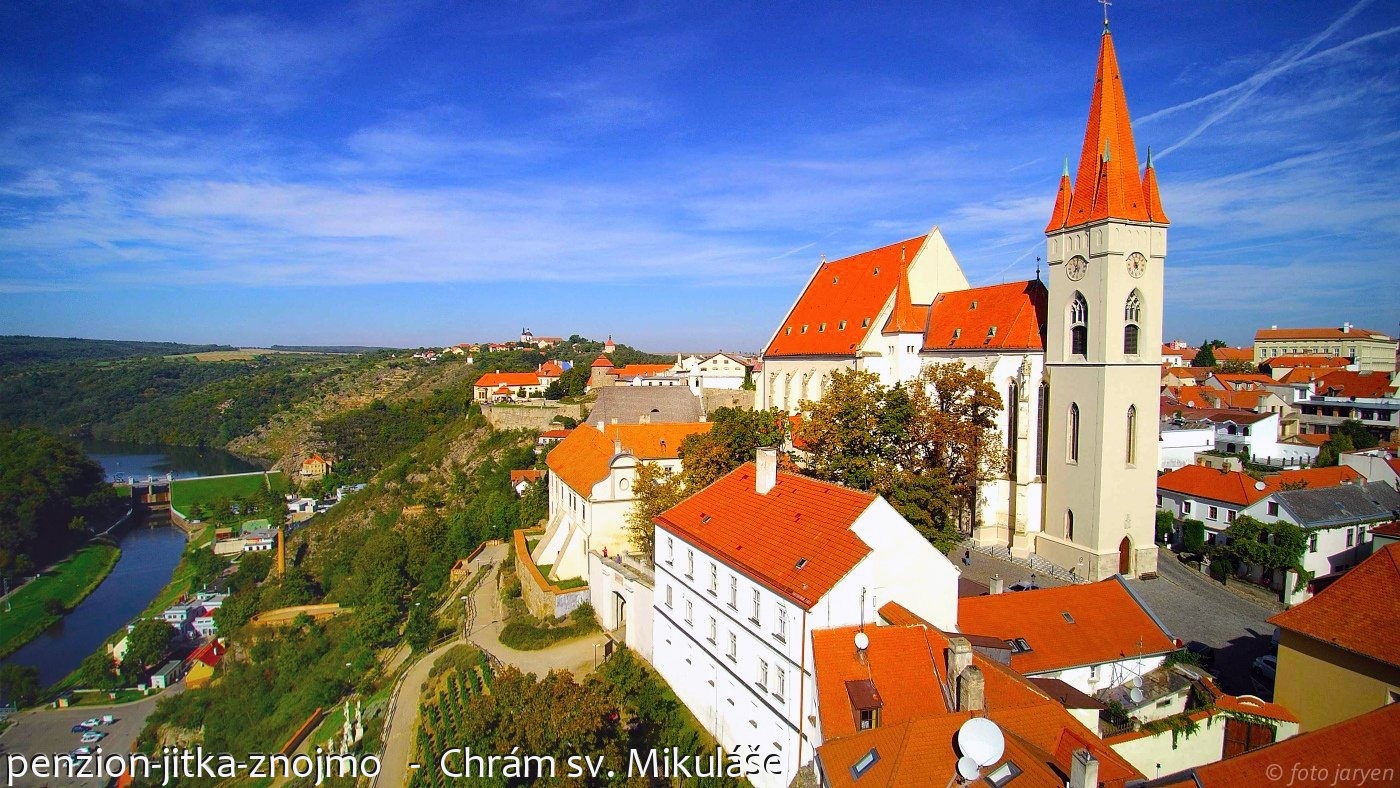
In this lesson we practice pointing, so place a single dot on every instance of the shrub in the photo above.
(1193, 536)
(1165, 524)
(54, 606)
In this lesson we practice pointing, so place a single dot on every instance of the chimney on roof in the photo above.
(972, 689)
(1346, 328)
(1273, 327)
(601, 425)
(766, 473)
(995, 585)
(614, 420)
(1084, 770)
(645, 418)
(617, 445)
(959, 655)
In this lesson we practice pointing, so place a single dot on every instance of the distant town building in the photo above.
(1370, 351)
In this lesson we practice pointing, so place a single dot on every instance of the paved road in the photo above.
(1194, 607)
(48, 731)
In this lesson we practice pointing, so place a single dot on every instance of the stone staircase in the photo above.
(1035, 563)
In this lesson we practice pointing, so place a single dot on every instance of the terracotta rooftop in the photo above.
(1345, 383)
(1360, 612)
(1241, 489)
(906, 317)
(526, 475)
(1067, 626)
(1234, 354)
(1362, 745)
(507, 379)
(1000, 317)
(1293, 362)
(1316, 333)
(916, 736)
(602, 361)
(796, 539)
(838, 307)
(640, 370)
(1239, 380)
(582, 459)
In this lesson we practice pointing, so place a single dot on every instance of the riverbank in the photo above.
(178, 585)
(69, 582)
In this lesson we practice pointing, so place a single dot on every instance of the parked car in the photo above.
(80, 729)
(1262, 673)
(108, 719)
(92, 737)
(83, 751)
(90, 722)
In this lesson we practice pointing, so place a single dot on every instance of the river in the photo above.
(124, 461)
(148, 559)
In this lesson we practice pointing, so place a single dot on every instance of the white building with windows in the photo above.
(747, 568)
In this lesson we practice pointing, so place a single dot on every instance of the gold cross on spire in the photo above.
(1105, 4)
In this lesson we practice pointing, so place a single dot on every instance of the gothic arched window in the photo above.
(1073, 432)
(1132, 434)
(1132, 315)
(1079, 325)
(1069, 524)
(1042, 429)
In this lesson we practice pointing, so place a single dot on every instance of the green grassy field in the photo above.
(69, 582)
(184, 493)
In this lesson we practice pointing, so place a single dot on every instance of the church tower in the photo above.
(1106, 245)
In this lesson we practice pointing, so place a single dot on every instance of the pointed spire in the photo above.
(905, 318)
(1106, 183)
(1059, 216)
(1151, 195)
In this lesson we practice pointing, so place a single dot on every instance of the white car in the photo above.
(83, 751)
(92, 737)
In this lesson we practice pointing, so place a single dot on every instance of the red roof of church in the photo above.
(1107, 184)
(839, 304)
(1004, 317)
(796, 539)
(906, 317)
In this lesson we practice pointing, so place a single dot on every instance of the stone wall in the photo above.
(542, 598)
(528, 417)
(714, 399)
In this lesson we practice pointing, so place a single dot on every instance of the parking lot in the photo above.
(49, 731)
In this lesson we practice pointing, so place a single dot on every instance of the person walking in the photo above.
(967, 557)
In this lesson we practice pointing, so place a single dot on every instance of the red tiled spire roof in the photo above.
(1060, 216)
(1107, 184)
(1151, 194)
(906, 318)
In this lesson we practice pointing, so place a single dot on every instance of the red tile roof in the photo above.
(602, 361)
(1108, 625)
(1363, 745)
(1360, 612)
(915, 739)
(1237, 380)
(1152, 193)
(849, 291)
(582, 459)
(556, 434)
(1106, 182)
(1002, 317)
(906, 317)
(1345, 383)
(765, 537)
(1241, 489)
(550, 369)
(210, 653)
(1315, 333)
(526, 475)
(507, 379)
(1293, 362)
(1309, 439)
(1234, 354)
(1388, 529)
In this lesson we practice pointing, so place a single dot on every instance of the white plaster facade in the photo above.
(738, 654)
(1177, 444)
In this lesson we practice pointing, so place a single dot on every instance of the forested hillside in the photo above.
(21, 350)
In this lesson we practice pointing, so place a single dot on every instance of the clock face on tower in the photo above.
(1137, 265)
(1076, 268)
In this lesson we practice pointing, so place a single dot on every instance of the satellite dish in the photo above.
(1260, 485)
(862, 641)
(981, 740)
(1136, 681)
(1135, 695)
(968, 769)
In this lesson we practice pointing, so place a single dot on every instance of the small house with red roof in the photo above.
(522, 480)
(498, 385)
(747, 569)
(315, 467)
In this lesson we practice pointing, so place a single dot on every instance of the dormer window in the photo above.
(801, 562)
(865, 703)
(877, 271)
(957, 334)
(841, 326)
(834, 280)
(991, 332)
(865, 323)
(1018, 645)
(788, 331)
(821, 329)
(972, 306)
(863, 765)
(804, 328)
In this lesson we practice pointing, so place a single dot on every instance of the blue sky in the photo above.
(429, 172)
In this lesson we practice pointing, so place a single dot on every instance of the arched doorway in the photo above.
(1125, 557)
(619, 611)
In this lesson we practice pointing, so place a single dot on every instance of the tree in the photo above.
(655, 490)
(1272, 546)
(98, 671)
(734, 439)
(418, 633)
(956, 407)
(748, 384)
(1361, 438)
(1166, 523)
(846, 438)
(1205, 357)
(19, 684)
(147, 644)
(1332, 451)
(1193, 536)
